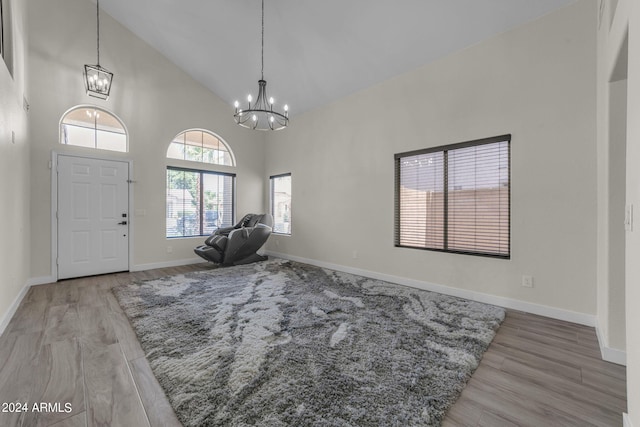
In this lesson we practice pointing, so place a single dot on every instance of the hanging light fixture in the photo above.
(97, 80)
(261, 115)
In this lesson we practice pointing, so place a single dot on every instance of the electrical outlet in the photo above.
(169, 249)
(527, 281)
(354, 255)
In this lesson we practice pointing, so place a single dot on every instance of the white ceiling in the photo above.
(315, 51)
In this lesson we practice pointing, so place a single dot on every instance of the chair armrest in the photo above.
(218, 242)
(245, 241)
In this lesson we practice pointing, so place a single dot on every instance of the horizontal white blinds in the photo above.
(455, 198)
(198, 202)
(422, 201)
(478, 190)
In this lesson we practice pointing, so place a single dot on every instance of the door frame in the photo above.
(53, 165)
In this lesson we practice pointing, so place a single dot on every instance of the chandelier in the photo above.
(97, 80)
(261, 115)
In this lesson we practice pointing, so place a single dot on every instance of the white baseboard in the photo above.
(609, 354)
(6, 318)
(165, 264)
(626, 421)
(614, 355)
(34, 281)
(43, 280)
(542, 310)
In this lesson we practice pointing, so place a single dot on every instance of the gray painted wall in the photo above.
(536, 82)
(15, 174)
(153, 97)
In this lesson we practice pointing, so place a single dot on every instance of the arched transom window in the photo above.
(93, 127)
(200, 146)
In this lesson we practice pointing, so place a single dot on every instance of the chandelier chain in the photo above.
(98, 28)
(262, 48)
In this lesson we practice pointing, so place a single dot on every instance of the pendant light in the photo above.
(97, 80)
(261, 115)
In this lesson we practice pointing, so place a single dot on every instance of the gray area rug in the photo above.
(280, 343)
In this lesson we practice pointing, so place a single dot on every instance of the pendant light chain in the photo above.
(262, 51)
(98, 28)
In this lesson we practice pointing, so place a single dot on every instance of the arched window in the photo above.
(201, 198)
(93, 127)
(199, 145)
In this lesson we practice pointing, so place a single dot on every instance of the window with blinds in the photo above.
(198, 202)
(455, 198)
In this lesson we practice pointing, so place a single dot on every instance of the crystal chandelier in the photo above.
(97, 80)
(261, 115)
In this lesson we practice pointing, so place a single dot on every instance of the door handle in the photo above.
(122, 223)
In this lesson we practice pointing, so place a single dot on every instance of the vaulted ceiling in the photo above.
(315, 51)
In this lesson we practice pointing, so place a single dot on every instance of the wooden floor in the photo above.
(70, 343)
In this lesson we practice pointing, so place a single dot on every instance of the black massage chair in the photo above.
(238, 244)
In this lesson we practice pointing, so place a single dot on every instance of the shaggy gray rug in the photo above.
(279, 343)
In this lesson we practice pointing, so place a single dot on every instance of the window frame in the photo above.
(272, 205)
(445, 226)
(213, 134)
(95, 129)
(201, 197)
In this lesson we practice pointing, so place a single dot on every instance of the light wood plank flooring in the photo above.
(70, 342)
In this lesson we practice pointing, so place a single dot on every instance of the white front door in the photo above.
(93, 216)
